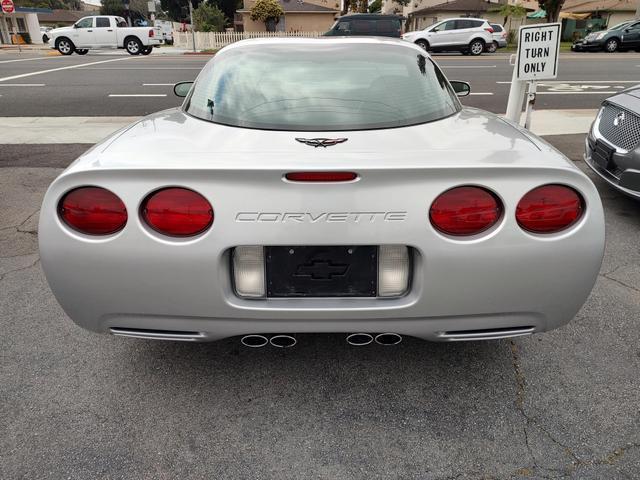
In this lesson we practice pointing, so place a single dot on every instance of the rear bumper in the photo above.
(504, 278)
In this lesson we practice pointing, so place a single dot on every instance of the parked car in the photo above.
(44, 31)
(333, 185)
(499, 38)
(166, 28)
(611, 40)
(613, 143)
(367, 24)
(104, 31)
(466, 35)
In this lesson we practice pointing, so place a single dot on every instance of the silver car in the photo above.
(613, 143)
(321, 185)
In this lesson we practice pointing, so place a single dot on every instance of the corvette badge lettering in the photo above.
(324, 217)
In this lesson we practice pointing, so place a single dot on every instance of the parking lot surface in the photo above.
(76, 405)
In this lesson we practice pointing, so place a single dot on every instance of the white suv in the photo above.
(466, 35)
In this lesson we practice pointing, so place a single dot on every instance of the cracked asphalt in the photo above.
(75, 405)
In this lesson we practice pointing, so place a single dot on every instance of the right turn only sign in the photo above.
(538, 49)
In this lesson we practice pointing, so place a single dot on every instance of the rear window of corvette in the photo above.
(328, 87)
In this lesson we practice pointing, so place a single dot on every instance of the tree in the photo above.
(111, 7)
(508, 10)
(53, 4)
(552, 7)
(267, 11)
(209, 18)
(178, 10)
(375, 6)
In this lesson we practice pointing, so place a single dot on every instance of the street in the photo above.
(73, 404)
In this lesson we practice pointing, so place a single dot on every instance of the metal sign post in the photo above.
(537, 59)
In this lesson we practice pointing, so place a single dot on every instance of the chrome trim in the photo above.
(492, 334)
(156, 334)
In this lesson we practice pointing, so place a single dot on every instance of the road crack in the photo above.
(9, 272)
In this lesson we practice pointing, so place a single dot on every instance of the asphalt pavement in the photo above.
(76, 405)
(111, 84)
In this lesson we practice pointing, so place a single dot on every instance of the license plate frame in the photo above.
(321, 271)
(603, 155)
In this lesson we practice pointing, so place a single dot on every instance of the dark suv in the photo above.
(365, 24)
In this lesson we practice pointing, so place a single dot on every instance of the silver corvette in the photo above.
(321, 185)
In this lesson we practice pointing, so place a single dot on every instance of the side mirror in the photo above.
(182, 89)
(462, 89)
(75, 25)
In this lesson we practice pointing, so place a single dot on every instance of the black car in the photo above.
(623, 36)
(367, 24)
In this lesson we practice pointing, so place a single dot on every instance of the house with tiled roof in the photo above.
(299, 16)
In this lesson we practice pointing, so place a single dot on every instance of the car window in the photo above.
(620, 26)
(460, 24)
(363, 26)
(339, 87)
(102, 22)
(86, 22)
(496, 27)
(121, 22)
(448, 25)
(386, 26)
(343, 26)
(634, 26)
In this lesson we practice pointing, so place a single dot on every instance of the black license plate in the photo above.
(602, 155)
(344, 271)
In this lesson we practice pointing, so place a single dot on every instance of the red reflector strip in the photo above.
(321, 176)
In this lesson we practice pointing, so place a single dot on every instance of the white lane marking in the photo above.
(158, 84)
(599, 92)
(612, 82)
(137, 94)
(28, 59)
(22, 84)
(140, 68)
(69, 67)
(468, 66)
(481, 93)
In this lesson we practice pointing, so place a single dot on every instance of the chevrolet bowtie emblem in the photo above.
(321, 270)
(321, 142)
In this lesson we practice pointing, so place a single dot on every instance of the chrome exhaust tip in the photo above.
(283, 341)
(388, 339)
(359, 339)
(254, 341)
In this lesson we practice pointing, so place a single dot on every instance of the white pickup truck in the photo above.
(104, 31)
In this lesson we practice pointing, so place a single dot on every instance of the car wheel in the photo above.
(65, 46)
(492, 47)
(146, 50)
(611, 45)
(423, 44)
(133, 46)
(476, 47)
(82, 51)
(45, 39)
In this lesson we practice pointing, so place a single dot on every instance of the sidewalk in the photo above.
(41, 130)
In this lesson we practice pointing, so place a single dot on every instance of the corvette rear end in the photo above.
(460, 228)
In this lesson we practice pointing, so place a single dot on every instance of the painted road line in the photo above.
(468, 66)
(158, 84)
(611, 82)
(137, 94)
(481, 93)
(25, 59)
(139, 68)
(69, 67)
(22, 84)
(598, 92)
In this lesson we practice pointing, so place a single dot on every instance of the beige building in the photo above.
(299, 16)
(612, 11)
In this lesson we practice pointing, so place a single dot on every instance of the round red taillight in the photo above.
(549, 209)
(178, 212)
(465, 211)
(93, 210)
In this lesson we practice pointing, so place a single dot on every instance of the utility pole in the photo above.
(193, 27)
